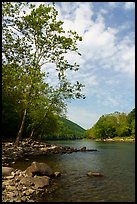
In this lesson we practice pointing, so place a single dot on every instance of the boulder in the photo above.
(39, 169)
(83, 149)
(94, 174)
(41, 182)
(27, 181)
(6, 171)
(38, 181)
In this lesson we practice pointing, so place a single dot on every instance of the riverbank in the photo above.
(18, 186)
(117, 139)
(10, 152)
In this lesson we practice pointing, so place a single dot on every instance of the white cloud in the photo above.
(124, 5)
(107, 98)
(101, 46)
(76, 17)
(125, 57)
(110, 100)
(103, 11)
(129, 5)
(101, 50)
(113, 4)
(84, 117)
(111, 82)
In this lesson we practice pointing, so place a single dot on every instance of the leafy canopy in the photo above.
(30, 41)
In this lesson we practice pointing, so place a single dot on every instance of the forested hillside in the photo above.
(67, 130)
(113, 125)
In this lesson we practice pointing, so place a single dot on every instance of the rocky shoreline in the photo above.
(116, 140)
(23, 186)
(10, 152)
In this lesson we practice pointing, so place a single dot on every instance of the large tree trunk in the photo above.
(21, 129)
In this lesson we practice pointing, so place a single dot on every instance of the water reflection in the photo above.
(116, 160)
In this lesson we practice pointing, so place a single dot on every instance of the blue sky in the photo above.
(107, 64)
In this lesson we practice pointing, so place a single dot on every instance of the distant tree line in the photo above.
(113, 125)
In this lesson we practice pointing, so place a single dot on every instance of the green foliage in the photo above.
(113, 125)
(30, 41)
(10, 117)
(123, 127)
(131, 116)
(133, 127)
(105, 127)
(66, 130)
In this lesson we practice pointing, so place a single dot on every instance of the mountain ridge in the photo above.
(68, 130)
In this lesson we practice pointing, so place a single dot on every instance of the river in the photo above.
(115, 160)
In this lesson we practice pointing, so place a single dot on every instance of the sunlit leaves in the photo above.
(29, 41)
(111, 125)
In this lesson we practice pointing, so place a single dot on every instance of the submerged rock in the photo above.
(83, 149)
(95, 174)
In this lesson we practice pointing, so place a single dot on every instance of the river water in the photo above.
(115, 160)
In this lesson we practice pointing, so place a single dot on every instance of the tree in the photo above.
(45, 111)
(133, 127)
(112, 125)
(123, 128)
(105, 127)
(31, 41)
(10, 117)
(131, 116)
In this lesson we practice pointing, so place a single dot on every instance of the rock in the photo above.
(18, 200)
(37, 168)
(11, 188)
(3, 187)
(83, 149)
(11, 194)
(57, 174)
(28, 192)
(41, 182)
(91, 150)
(11, 183)
(8, 144)
(6, 171)
(24, 188)
(27, 181)
(44, 149)
(17, 179)
(9, 177)
(94, 174)
(26, 159)
(23, 199)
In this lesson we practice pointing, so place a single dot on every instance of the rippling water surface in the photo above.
(116, 160)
